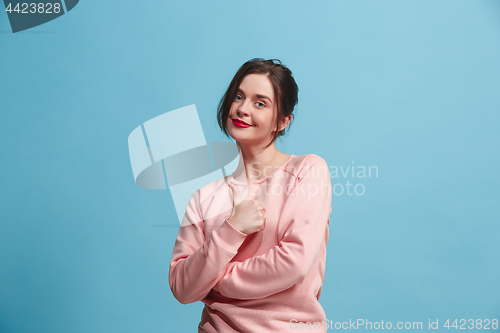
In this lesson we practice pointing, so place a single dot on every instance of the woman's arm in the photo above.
(197, 262)
(306, 215)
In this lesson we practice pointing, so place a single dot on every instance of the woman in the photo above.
(259, 265)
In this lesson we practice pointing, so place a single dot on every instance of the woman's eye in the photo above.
(238, 97)
(261, 105)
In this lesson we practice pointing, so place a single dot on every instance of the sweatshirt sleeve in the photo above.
(197, 261)
(306, 217)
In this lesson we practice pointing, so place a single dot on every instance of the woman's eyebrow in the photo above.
(263, 96)
(256, 95)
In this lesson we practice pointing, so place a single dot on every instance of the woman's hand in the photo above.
(248, 216)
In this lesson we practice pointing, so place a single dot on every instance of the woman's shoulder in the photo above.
(306, 161)
(211, 199)
(301, 164)
(213, 188)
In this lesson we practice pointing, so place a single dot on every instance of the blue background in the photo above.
(411, 87)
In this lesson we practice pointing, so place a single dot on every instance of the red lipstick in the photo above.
(240, 123)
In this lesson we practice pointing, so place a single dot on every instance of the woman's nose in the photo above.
(240, 112)
(243, 108)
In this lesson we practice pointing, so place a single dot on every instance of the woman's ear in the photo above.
(285, 121)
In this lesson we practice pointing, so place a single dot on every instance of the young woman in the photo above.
(259, 265)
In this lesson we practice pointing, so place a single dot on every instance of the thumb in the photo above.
(262, 205)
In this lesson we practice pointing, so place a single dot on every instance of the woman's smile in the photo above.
(240, 123)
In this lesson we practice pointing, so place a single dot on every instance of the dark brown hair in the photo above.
(285, 90)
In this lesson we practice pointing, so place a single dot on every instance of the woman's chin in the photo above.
(241, 138)
(246, 140)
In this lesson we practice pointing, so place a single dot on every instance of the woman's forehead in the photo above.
(257, 84)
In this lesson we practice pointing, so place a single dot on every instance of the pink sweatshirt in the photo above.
(268, 281)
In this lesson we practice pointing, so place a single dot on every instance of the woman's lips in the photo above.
(240, 124)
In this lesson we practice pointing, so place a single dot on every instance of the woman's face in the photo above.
(255, 105)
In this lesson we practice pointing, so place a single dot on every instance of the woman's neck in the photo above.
(256, 163)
